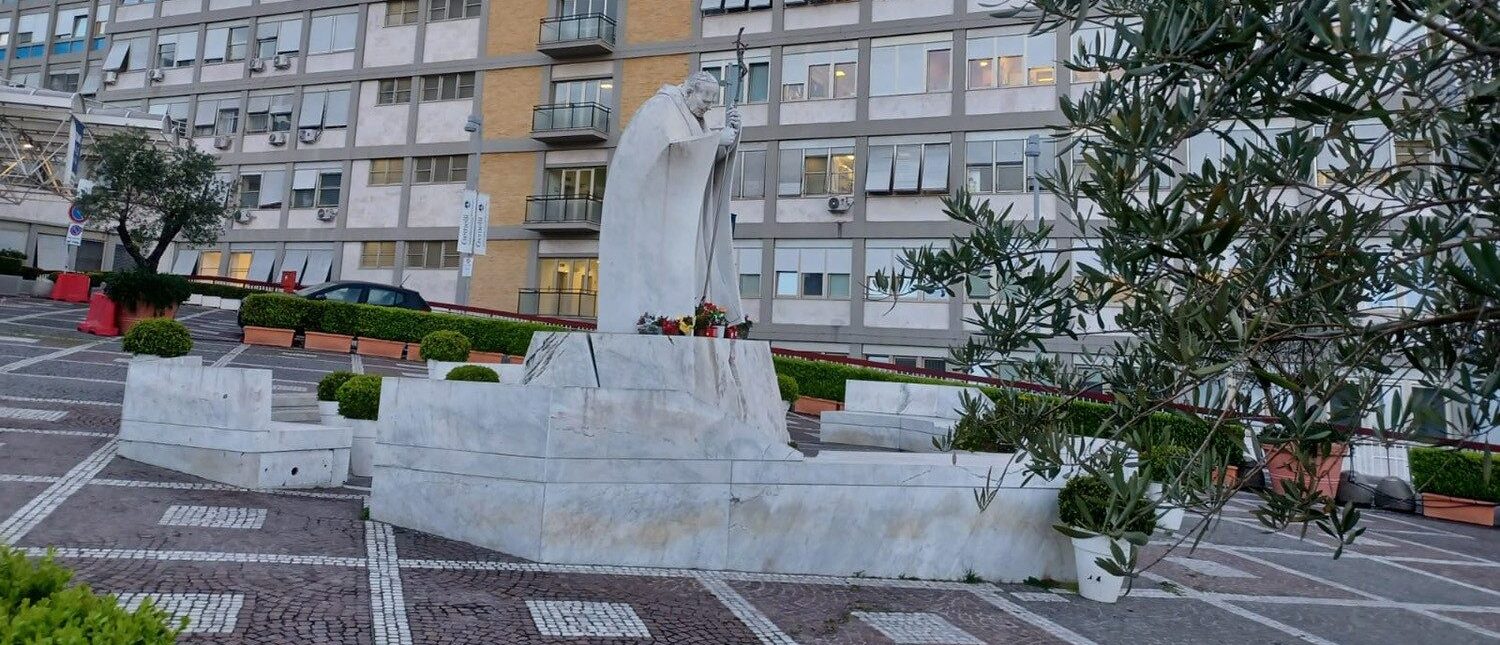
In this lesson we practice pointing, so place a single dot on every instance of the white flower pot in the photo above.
(212, 302)
(328, 413)
(195, 299)
(1169, 516)
(1094, 582)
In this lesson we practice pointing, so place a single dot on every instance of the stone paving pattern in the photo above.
(303, 567)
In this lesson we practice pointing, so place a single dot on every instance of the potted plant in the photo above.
(336, 325)
(359, 402)
(162, 337)
(273, 319)
(1106, 524)
(1163, 464)
(1314, 457)
(444, 350)
(473, 373)
(710, 320)
(1455, 485)
(328, 396)
(139, 295)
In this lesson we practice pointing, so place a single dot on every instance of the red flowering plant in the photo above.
(709, 315)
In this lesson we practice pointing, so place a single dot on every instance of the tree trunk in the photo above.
(132, 248)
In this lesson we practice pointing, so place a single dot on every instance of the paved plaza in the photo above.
(303, 567)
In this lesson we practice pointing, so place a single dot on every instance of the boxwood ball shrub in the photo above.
(328, 386)
(359, 398)
(445, 345)
(1455, 473)
(131, 289)
(1085, 501)
(476, 373)
(788, 387)
(162, 337)
(38, 606)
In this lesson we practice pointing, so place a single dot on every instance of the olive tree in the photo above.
(1287, 206)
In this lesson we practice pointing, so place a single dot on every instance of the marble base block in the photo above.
(899, 416)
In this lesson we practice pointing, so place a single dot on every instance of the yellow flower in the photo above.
(686, 325)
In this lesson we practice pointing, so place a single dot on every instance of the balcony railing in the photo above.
(563, 213)
(566, 122)
(565, 303)
(587, 34)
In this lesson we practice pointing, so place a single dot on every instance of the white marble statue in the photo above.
(665, 242)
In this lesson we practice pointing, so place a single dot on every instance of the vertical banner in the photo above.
(466, 222)
(73, 164)
(466, 266)
(481, 223)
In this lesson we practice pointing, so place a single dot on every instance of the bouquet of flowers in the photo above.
(708, 317)
(652, 325)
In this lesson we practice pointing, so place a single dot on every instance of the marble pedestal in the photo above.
(215, 423)
(899, 416)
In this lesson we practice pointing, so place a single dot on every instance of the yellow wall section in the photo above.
(499, 274)
(656, 21)
(514, 26)
(508, 178)
(644, 76)
(509, 95)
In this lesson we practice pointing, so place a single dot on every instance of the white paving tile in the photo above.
(1208, 567)
(32, 414)
(578, 619)
(916, 628)
(216, 517)
(207, 613)
(387, 600)
(1038, 596)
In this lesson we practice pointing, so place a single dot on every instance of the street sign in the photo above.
(75, 212)
(466, 217)
(481, 224)
(466, 266)
(75, 234)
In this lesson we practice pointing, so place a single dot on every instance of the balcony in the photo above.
(588, 34)
(570, 123)
(563, 213)
(562, 303)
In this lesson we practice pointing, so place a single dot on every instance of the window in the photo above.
(750, 175)
(177, 50)
(124, 53)
(217, 117)
(239, 264)
(387, 172)
(437, 170)
(313, 188)
(447, 87)
(453, 9)
(1430, 413)
(812, 272)
(402, 12)
(819, 75)
(576, 182)
(1371, 141)
(1413, 158)
(324, 108)
(1012, 61)
(587, 7)
(332, 33)
(1002, 166)
(885, 255)
(908, 168)
(755, 87)
(377, 255)
(32, 28)
(394, 90)
(282, 37)
(176, 109)
(432, 255)
(249, 191)
(1095, 43)
(262, 188)
(911, 68)
(269, 113)
(593, 90)
(816, 171)
(222, 44)
(208, 263)
(63, 81)
(747, 263)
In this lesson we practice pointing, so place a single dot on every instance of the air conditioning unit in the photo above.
(840, 204)
(243, 217)
(277, 138)
(309, 135)
(157, 74)
(282, 61)
(257, 64)
(111, 77)
(222, 142)
(327, 214)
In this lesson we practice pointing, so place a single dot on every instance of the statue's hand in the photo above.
(731, 132)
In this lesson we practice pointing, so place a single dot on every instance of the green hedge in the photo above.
(158, 290)
(475, 373)
(1455, 473)
(281, 311)
(162, 337)
(386, 323)
(788, 387)
(38, 606)
(826, 380)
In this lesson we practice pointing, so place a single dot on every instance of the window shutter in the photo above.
(289, 37)
(312, 110)
(878, 175)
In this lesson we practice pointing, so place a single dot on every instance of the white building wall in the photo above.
(451, 40)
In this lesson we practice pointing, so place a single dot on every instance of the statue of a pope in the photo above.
(665, 242)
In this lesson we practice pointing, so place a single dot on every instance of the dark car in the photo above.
(369, 293)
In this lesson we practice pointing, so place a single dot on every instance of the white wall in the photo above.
(906, 315)
(126, 13)
(440, 121)
(806, 209)
(1004, 100)
(729, 24)
(222, 72)
(387, 45)
(370, 206)
(901, 9)
(809, 312)
(179, 7)
(226, 4)
(330, 62)
(379, 124)
(177, 76)
(307, 218)
(349, 268)
(905, 208)
(910, 106)
(824, 15)
(435, 205)
(451, 40)
(439, 285)
(817, 111)
(748, 211)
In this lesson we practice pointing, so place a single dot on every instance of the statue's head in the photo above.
(701, 90)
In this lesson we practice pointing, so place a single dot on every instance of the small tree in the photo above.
(151, 196)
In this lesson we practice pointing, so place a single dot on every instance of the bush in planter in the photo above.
(788, 387)
(359, 398)
(328, 386)
(1319, 438)
(1455, 473)
(1087, 503)
(280, 311)
(162, 337)
(1165, 462)
(475, 373)
(38, 606)
(144, 289)
(445, 345)
(338, 318)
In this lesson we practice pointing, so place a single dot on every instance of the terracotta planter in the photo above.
(269, 336)
(382, 348)
(515, 360)
(486, 357)
(1229, 478)
(414, 352)
(1281, 467)
(1458, 509)
(815, 406)
(129, 317)
(328, 342)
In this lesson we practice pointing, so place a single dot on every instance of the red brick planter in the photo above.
(1282, 466)
(328, 342)
(129, 317)
(1458, 509)
(514, 360)
(268, 336)
(382, 348)
(815, 406)
(486, 357)
(414, 352)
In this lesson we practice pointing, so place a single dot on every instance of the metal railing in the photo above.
(570, 116)
(567, 303)
(563, 209)
(584, 26)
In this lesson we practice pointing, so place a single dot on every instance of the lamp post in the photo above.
(473, 125)
(1033, 154)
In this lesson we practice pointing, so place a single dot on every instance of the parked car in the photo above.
(369, 293)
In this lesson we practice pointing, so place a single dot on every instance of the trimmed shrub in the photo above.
(157, 290)
(280, 311)
(328, 386)
(339, 318)
(221, 290)
(38, 606)
(476, 373)
(1165, 461)
(1455, 473)
(1086, 502)
(445, 345)
(826, 380)
(359, 398)
(162, 337)
(788, 387)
